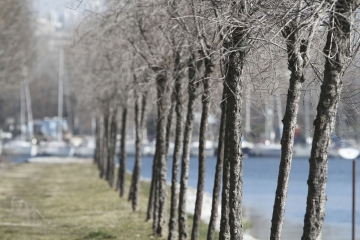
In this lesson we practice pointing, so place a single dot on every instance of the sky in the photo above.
(44, 7)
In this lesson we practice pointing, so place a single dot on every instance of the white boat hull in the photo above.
(20, 148)
(301, 151)
(86, 149)
(57, 148)
(263, 150)
(147, 149)
(58, 151)
(209, 149)
(84, 152)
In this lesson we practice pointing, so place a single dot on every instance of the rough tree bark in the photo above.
(337, 57)
(177, 150)
(297, 51)
(225, 208)
(224, 221)
(101, 142)
(157, 181)
(192, 88)
(110, 172)
(155, 196)
(150, 208)
(104, 152)
(97, 141)
(122, 154)
(135, 179)
(287, 139)
(169, 124)
(139, 126)
(202, 146)
(233, 134)
(160, 200)
(218, 173)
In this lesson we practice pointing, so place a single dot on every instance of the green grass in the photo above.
(42, 201)
(52, 201)
(99, 235)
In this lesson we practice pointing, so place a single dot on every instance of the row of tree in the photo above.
(16, 51)
(173, 52)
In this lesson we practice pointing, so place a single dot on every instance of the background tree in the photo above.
(17, 45)
(140, 93)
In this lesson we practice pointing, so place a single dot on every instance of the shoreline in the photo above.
(207, 204)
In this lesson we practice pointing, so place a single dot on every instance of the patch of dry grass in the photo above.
(67, 201)
(53, 201)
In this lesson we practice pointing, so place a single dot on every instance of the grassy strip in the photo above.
(69, 201)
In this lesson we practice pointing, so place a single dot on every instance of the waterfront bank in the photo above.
(47, 199)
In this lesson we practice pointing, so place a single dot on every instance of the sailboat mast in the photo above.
(307, 115)
(22, 110)
(247, 111)
(67, 101)
(60, 94)
(30, 124)
(279, 109)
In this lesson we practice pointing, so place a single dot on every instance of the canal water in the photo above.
(259, 185)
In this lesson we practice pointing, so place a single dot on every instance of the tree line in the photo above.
(176, 54)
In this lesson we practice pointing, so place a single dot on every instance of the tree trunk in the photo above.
(135, 179)
(97, 142)
(192, 88)
(218, 173)
(155, 190)
(158, 181)
(233, 132)
(337, 52)
(138, 145)
(101, 142)
(122, 155)
(296, 64)
(169, 125)
(104, 152)
(162, 89)
(151, 201)
(225, 208)
(176, 159)
(139, 126)
(202, 147)
(110, 176)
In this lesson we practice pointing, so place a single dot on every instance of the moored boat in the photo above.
(20, 148)
(85, 149)
(266, 150)
(302, 150)
(56, 148)
(209, 148)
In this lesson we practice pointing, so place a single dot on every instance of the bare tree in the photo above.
(122, 157)
(192, 90)
(177, 149)
(218, 175)
(338, 56)
(17, 52)
(140, 111)
(97, 141)
(151, 42)
(298, 51)
(110, 169)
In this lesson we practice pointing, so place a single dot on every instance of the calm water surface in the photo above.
(259, 185)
